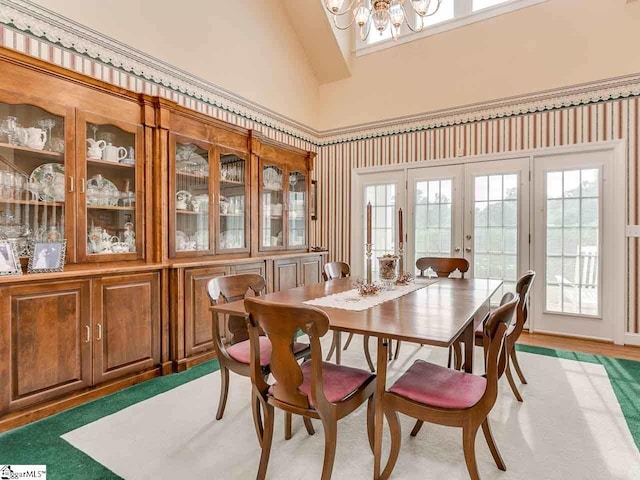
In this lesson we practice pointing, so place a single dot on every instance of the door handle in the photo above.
(88, 337)
(467, 249)
(72, 186)
(82, 185)
(99, 332)
(457, 249)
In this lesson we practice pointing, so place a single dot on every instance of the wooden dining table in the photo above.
(444, 311)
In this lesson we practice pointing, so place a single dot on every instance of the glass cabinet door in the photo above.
(232, 204)
(271, 207)
(33, 181)
(297, 210)
(191, 199)
(111, 181)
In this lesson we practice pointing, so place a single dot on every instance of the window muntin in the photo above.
(383, 219)
(433, 219)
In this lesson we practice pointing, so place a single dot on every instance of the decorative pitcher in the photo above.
(32, 137)
(95, 148)
(114, 154)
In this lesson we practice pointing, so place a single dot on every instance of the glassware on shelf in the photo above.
(9, 127)
(47, 124)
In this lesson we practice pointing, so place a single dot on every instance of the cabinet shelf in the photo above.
(33, 151)
(32, 202)
(108, 207)
(191, 175)
(232, 214)
(93, 161)
(191, 212)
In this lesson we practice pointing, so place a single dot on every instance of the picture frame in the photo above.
(45, 257)
(9, 259)
(313, 200)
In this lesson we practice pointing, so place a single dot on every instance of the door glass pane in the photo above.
(32, 177)
(271, 200)
(383, 227)
(572, 241)
(297, 209)
(433, 203)
(111, 183)
(192, 198)
(496, 228)
(232, 201)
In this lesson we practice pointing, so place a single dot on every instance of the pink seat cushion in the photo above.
(440, 387)
(241, 352)
(339, 381)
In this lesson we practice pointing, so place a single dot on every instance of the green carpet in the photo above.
(40, 442)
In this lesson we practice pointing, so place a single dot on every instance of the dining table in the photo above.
(437, 312)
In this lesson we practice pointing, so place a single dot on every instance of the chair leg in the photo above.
(224, 392)
(495, 453)
(395, 355)
(308, 425)
(287, 425)
(450, 357)
(257, 417)
(367, 353)
(457, 355)
(267, 439)
(512, 382)
(346, 345)
(416, 428)
(516, 365)
(330, 438)
(394, 427)
(469, 433)
(371, 409)
(333, 345)
(390, 349)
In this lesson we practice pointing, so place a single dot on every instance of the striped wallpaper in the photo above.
(619, 119)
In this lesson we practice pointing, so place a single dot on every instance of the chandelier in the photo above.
(383, 14)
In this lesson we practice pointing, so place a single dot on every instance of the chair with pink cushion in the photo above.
(315, 389)
(435, 394)
(231, 337)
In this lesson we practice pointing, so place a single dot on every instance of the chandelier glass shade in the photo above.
(382, 14)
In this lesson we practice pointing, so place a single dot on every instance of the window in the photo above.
(433, 218)
(480, 4)
(383, 216)
(452, 14)
(572, 241)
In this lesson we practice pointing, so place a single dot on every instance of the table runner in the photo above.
(351, 300)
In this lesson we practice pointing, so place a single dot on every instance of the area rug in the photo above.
(580, 419)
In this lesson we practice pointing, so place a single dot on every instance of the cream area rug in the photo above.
(570, 426)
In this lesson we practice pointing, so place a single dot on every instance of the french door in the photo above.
(574, 253)
(386, 193)
(478, 211)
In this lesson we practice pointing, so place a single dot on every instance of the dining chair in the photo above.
(315, 389)
(443, 267)
(435, 394)
(331, 271)
(233, 354)
(523, 287)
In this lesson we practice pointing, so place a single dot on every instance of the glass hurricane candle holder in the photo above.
(388, 265)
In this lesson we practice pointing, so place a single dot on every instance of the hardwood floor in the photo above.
(580, 345)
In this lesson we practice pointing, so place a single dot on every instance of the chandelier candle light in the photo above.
(383, 14)
(369, 245)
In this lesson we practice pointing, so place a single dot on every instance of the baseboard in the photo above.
(186, 363)
(570, 335)
(36, 412)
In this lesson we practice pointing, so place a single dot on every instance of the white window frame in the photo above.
(463, 15)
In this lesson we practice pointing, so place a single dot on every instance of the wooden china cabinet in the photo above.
(153, 200)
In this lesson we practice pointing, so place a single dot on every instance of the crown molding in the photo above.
(34, 20)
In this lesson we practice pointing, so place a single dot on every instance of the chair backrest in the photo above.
(495, 329)
(443, 266)
(523, 288)
(336, 270)
(230, 289)
(281, 324)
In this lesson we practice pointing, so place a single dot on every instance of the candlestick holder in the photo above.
(369, 252)
(401, 255)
